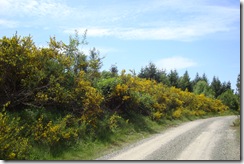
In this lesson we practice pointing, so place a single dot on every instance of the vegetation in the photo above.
(55, 98)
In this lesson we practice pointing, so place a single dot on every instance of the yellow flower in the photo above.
(126, 98)
(12, 155)
(44, 134)
(66, 135)
(6, 146)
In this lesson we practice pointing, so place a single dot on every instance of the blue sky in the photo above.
(195, 35)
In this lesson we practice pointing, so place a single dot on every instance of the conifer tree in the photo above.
(238, 85)
(173, 78)
(204, 78)
(185, 82)
(150, 72)
(216, 86)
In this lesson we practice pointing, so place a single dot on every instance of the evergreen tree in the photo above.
(197, 78)
(229, 99)
(185, 82)
(216, 86)
(163, 78)
(173, 78)
(114, 70)
(238, 86)
(225, 86)
(95, 63)
(204, 78)
(202, 87)
(238, 90)
(150, 72)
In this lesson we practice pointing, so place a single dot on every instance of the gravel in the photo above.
(204, 139)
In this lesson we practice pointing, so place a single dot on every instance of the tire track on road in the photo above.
(196, 140)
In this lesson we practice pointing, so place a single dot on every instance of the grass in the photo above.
(139, 127)
(104, 141)
(237, 127)
(237, 122)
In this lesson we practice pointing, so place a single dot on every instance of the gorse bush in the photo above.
(13, 144)
(55, 97)
(52, 134)
(156, 100)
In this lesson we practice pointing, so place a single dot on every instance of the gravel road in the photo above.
(204, 139)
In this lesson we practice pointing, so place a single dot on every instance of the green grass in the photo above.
(237, 127)
(102, 141)
(237, 122)
(138, 127)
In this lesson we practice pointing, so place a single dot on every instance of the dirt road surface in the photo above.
(204, 139)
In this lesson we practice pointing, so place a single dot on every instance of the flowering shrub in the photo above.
(12, 144)
(52, 133)
(114, 122)
(60, 80)
(157, 115)
(157, 100)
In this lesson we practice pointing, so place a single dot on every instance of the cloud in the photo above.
(8, 23)
(35, 13)
(129, 20)
(161, 33)
(162, 20)
(37, 8)
(176, 62)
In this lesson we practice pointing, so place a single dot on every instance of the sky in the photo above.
(198, 36)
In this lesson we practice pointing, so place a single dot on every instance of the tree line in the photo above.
(199, 85)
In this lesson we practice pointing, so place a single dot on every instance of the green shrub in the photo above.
(106, 86)
(12, 144)
(230, 100)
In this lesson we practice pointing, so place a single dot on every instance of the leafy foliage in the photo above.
(12, 144)
(202, 87)
(56, 96)
(230, 100)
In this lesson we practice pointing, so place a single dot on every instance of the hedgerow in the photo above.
(67, 99)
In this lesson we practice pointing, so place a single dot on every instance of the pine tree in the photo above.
(185, 82)
(197, 78)
(202, 87)
(95, 63)
(229, 99)
(204, 78)
(163, 78)
(216, 86)
(238, 85)
(114, 70)
(173, 78)
(150, 72)
(225, 86)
